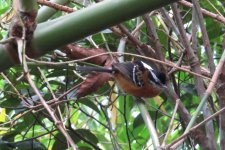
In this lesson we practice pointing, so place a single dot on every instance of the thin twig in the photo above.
(205, 12)
(149, 124)
(7, 40)
(205, 37)
(22, 48)
(206, 95)
(56, 120)
(126, 123)
(195, 66)
(114, 140)
(106, 53)
(171, 122)
(56, 6)
(51, 91)
(47, 83)
(14, 88)
(184, 136)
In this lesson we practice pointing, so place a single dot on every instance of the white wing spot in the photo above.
(134, 74)
(150, 69)
(146, 66)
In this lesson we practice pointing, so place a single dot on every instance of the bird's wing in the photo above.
(131, 71)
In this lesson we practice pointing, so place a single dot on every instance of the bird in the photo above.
(133, 77)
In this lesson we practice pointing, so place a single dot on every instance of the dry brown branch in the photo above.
(56, 6)
(217, 17)
(117, 53)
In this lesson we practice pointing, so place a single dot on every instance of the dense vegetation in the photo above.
(46, 104)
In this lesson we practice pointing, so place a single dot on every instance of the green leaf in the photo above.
(28, 145)
(3, 10)
(138, 121)
(11, 102)
(88, 135)
(25, 123)
(4, 6)
(214, 29)
(89, 103)
(84, 148)
(61, 143)
(9, 136)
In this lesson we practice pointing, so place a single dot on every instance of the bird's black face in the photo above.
(157, 78)
(162, 77)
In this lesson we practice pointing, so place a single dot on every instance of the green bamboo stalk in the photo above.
(22, 6)
(77, 25)
(27, 6)
(90, 20)
(45, 12)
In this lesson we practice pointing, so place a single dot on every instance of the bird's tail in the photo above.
(96, 69)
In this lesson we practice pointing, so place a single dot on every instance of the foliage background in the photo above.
(94, 122)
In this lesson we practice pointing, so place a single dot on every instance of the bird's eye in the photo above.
(157, 78)
(162, 77)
